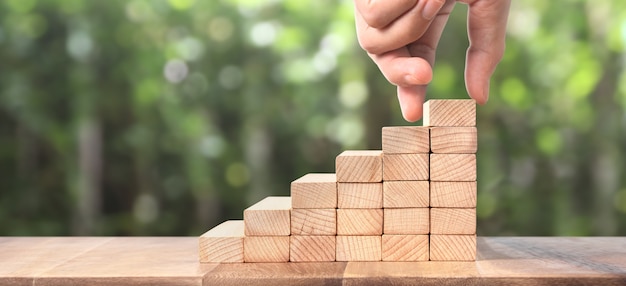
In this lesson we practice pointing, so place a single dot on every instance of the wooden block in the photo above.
(453, 194)
(360, 195)
(314, 191)
(405, 247)
(453, 167)
(359, 221)
(449, 112)
(266, 248)
(452, 221)
(313, 221)
(405, 167)
(312, 248)
(405, 194)
(223, 243)
(454, 140)
(406, 221)
(405, 139)
(365, 166)
(359, 248)
(453, 247)
(269, 216)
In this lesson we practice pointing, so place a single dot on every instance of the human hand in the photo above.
(401, 37)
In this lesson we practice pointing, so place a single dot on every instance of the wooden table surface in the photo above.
(174, 261)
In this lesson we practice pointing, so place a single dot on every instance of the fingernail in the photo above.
(431, 8)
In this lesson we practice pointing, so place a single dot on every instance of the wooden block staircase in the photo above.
(414, 200)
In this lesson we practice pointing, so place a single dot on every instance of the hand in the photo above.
(401, 37)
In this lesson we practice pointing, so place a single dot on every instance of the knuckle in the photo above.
(370, 46)
(373, 18)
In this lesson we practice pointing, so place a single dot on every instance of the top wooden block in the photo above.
(406, 139)
(270, 216)
(314, 191)
(363, 166)
(450, 112)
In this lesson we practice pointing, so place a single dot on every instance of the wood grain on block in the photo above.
(406, 221)
(359, 221)
(313, 221)
(405, 194)
(314, 191)
(452, 221)
(269, 216)
(405, 139)
(453, 194)
(453, 167)
(453, 247)
(361, 166)
(405, 167)
(312, 248)
(449, 112)
(359, 248)
(405, 247)
(360, 195)
(223, 243)
(266, 248)
(454, 140)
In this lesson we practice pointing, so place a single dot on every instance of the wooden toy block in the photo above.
(406, 221)
(314, 191)
(405, 167)
(270, 216)
(452, 221)
(405, 139)
(405, 247)
(266, 248)
(360, 195)
(453, 167)
(312, 248)
(405, 194)
(453, 247)
(450, 112)
(223, 243)
(313, 222)
(453, 194)
(359, 248)
(453, 140)
(365, 166)
(359, 221)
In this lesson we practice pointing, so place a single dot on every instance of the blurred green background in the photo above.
(167, 117)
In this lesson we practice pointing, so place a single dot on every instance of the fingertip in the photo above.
(411, 101)
(478, 92)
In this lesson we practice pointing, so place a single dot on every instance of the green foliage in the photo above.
(167, 117)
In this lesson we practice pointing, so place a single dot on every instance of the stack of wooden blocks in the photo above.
(414, 200)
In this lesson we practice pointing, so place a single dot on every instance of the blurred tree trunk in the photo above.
(88, 203)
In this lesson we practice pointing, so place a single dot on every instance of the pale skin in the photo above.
(401, 37)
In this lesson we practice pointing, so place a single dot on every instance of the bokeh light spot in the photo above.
(146, 208)
(263, 34)
(230, 77)
(548, 141)
(221, 29)
(181, 4)
(237, 174)
(353, 94)
(175, 71)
